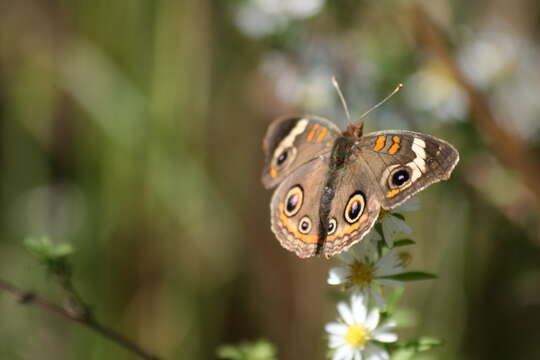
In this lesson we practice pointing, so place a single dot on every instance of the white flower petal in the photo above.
(345, 313)
(388, 324)
(410, 205)
(373, 236)
(358, 251)
(359, 307)
(392, 225)
(372, 319)
(347, 258)
(378, 297)
(335, 328)
(336, 341)
(388, 282)
(400, 225)
(374, 352)
(387, 232)
(338, 275)
(386, 327)
(371, 250)
(343, 353)
(357, 355)
(389, 264)
(386, 337)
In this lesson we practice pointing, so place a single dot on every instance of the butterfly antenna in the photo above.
(400, 85)
(342, 98)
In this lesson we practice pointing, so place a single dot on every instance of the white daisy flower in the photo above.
(353, 337)
(364, 270)
(392, 225)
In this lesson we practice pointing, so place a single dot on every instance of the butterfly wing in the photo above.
(353, 210)
(328, 201)
(379, 170)
(295, 203)
(291, 142)
(402, 163)
(320, 209)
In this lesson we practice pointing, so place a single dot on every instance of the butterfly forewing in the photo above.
(403, 163)
(291, 142)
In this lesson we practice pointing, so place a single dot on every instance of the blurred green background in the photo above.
(133, 129)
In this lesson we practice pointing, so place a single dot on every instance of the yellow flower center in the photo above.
(356, 336)
(361, 273)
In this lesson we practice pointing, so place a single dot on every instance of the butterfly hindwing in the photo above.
(296, 200)
(353, 210)
(324, 206)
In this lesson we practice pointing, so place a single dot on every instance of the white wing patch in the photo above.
(419, 162)
(287, 142)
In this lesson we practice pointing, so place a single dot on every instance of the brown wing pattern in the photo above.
(403, 163)
(286, 219)
(349, 186)
(291, 142)
(352, 185)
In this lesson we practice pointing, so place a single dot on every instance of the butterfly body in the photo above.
(331, 185)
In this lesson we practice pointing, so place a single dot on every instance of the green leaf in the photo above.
(229, 352)
(404, 242)
(403, 354)
(393, 299)
(399, 216)
(53, 256)
(427, 342)
(44, 249)
(406, 317)
(406, 351)
(411, 276)
(260, 350)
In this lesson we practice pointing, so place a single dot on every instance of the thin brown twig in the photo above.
(29, 298)
(509, 148)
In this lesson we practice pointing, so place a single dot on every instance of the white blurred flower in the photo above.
(311, 90)
(256, 23)
(434, 89)
(353, 336)
(505, 61)
(491, 54)
(392, 225)
(260, 18)
(364, 271)
(291, 8)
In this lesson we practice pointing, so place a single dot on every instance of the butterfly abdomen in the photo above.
(341, 152)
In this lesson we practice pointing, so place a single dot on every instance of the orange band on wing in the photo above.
(392, 193)
(309, 239)
(312, 132)
(322, 133)
(395, 146)
(348, 230)
(379, 144)
(313, 239)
